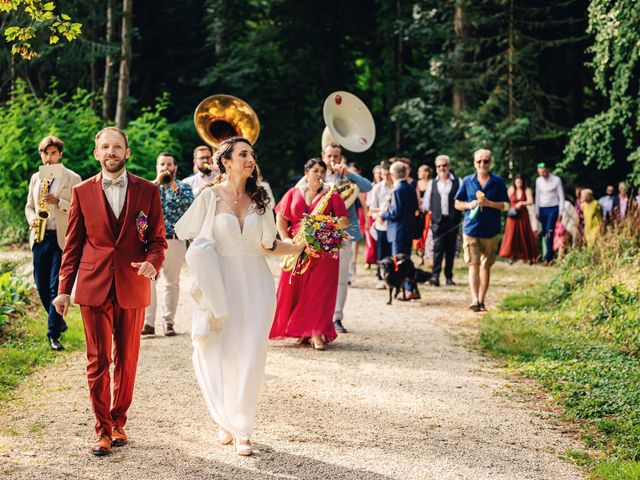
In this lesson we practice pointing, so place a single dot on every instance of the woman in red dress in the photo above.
(305, 303)
(518, 242)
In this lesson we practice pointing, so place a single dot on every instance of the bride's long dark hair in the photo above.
(257, 193)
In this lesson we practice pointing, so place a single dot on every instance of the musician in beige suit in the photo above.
(47, 253)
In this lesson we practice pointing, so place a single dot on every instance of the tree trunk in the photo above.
(510, 84)
(109, 64)
(125, 64)
(459, 96)
(399, 68)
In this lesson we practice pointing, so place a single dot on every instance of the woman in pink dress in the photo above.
(305, 303)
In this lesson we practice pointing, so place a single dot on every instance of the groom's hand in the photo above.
(145, 269)
(61, 302)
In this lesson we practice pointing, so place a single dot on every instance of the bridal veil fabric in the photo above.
(234, 304)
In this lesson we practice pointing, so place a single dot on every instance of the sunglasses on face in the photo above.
(442, 166)
(483, 162)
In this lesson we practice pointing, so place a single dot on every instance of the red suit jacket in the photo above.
(99, 257)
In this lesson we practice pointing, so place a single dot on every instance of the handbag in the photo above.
(512, 212)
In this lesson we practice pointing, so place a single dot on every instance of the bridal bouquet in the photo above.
(323, 237)
(323, 234)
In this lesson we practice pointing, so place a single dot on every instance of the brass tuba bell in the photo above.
(349, 122)
(220, 117)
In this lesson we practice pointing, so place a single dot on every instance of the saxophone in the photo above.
(43, 212)
(289, 261)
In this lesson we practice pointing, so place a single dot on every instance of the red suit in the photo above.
(112, 296)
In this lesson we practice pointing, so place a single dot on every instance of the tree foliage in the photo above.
(613, 133)
(39, 16)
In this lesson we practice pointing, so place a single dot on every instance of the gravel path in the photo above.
(399, 397)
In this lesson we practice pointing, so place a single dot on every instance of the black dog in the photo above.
(397, 270)
(423, 276)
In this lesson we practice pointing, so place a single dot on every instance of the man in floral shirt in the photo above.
(176, 197)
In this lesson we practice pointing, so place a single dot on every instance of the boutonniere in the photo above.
(142, 222)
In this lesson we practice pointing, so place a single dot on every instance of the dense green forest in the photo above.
(553, 81)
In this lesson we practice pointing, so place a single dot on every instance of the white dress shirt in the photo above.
(549, 192)
(444, 189)
(198, 180)
(379, 197)
(116, 195)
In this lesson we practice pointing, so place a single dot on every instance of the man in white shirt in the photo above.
(439, 199)
(377, 200)
(549, 203)
(205, 170)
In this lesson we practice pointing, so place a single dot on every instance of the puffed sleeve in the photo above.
(197, 221)
(269, 230)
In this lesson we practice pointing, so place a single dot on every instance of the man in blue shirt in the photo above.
(482, 196)
(336, 172)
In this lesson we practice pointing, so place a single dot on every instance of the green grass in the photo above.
(617, 471)
(578, 335)
(25, 348)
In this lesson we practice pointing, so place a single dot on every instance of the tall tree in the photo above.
(109, 62)
(124, 78)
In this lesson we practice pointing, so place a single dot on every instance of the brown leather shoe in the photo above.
(118, 437)
(102, 446)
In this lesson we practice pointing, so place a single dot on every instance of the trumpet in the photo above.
(166, 178)
(42, 213)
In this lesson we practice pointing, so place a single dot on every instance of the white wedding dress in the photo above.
(238, 293)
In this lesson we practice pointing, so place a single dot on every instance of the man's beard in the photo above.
(114, 168)
(204, 170)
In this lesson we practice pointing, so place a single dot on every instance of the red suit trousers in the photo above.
(110, 329)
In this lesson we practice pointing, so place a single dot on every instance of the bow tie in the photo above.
(107, 184)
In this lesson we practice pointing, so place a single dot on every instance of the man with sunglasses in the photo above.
(445, 219)
(481, 229)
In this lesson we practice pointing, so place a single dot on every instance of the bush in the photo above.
(14, 298)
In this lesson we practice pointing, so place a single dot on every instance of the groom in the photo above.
(115, 243)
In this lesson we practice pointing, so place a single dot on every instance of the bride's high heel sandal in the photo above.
(224, 436)
(244, 449)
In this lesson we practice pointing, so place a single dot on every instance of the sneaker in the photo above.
(169, 331)
(148, 330)
(339, 327)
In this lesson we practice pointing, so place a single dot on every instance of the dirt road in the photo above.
(401, 396)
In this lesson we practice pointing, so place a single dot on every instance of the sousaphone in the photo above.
(220, 117)
(349, 123)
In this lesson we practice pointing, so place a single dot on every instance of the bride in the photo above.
(232, 227)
